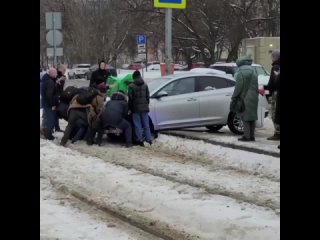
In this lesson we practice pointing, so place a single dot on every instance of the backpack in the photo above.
(86, 97)
(67, 95)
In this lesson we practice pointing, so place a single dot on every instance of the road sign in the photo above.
(141, 50)
(178, 4)
(142, 56)
(59, 52)
(141, 39)
(141, 46)
(54, 38)
(53, 17)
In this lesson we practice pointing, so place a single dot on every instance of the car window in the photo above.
(260, 71)
(214, 82)
(83, 66)
(221, 68)
(181, 86)
(230, 83)
(231, 70)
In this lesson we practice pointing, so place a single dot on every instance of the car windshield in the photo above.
(83, 66)
(155, 83)
(261, 71)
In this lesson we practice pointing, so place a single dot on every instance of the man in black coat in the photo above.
(60, 81)
(77, 125)
(139, 98)
(272, 87)
(114, 115)
(277, 111)
(100, 75)
(49, 99)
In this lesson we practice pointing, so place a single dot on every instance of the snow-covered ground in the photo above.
(226, 136)
(176, 209)
(63, 217)
(176, 189)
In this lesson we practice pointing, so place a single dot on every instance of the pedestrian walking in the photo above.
(245, 97)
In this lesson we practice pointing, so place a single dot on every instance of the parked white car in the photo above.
(153, 67)
(78, 71)
(196, 99)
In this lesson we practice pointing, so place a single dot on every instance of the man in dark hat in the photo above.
(139, 99)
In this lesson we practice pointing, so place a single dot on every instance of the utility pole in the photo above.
(168, 47)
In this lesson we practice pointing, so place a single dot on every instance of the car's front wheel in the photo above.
(235, 124)
(214, 128)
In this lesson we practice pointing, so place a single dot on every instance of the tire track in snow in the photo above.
(251, 189)
(125, 191)
(73, 207)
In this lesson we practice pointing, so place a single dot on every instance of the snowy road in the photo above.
(65, 217)
(177, 189)
(207, 192)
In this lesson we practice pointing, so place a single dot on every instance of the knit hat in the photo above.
(136, 74)
(276, 54)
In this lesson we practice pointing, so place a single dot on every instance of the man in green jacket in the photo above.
(247, 89)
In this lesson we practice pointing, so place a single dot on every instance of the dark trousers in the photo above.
(48, 122)
(249, 128)
(56, 123)
(77, 119)
(127, 129)
(99, 127)
(93, 129)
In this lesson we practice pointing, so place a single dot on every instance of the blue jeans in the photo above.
(48, 122)
(142, 120)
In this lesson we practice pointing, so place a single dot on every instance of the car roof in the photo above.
(194, 74)
(207, 70)
(232, 64)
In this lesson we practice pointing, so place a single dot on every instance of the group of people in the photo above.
(89, 117)
(246, 96)
(87, 114)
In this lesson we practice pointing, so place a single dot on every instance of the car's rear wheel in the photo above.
(235, 124)
(214, 128)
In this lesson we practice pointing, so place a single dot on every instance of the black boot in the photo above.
(78, 135)
(48, 134)
(275, 137)
(63, 142)
(244, 139)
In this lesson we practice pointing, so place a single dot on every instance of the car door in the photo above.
(181, 107)
(214, 99)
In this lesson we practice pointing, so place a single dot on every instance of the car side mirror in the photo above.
(209, 88)
(161, 94)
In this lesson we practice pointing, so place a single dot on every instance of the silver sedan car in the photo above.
(196, 100)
